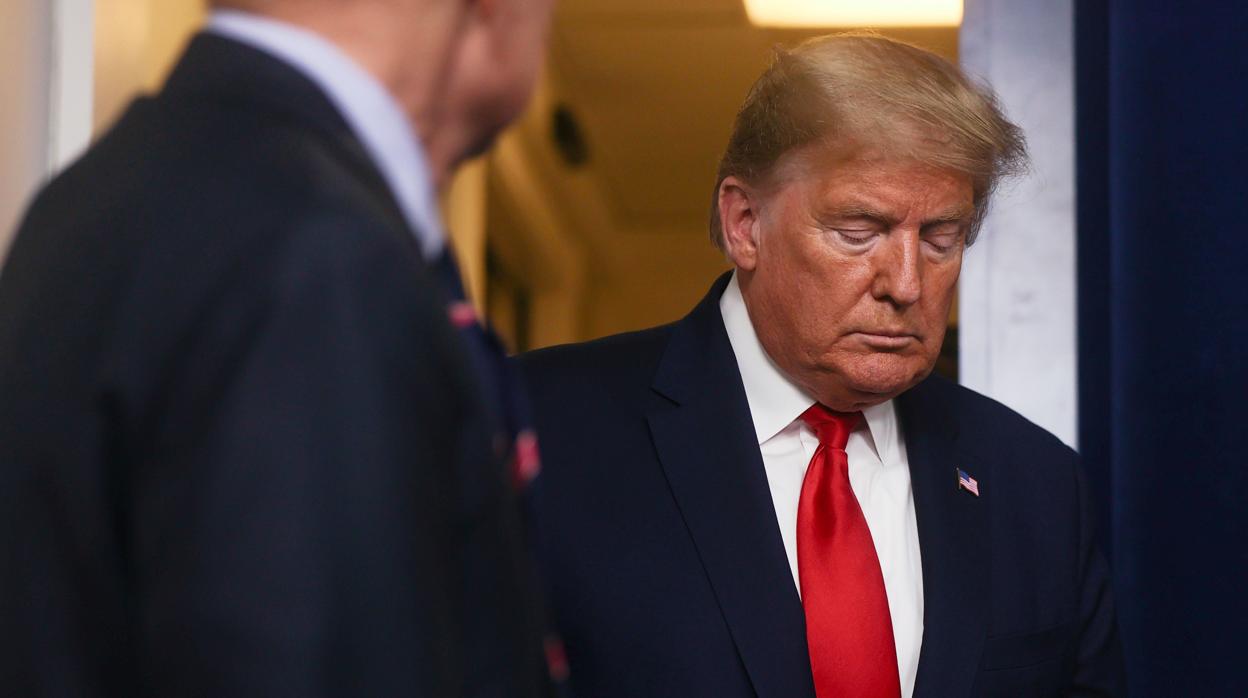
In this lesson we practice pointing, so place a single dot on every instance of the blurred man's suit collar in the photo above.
(368, 109)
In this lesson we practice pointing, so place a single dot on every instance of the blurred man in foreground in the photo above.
(773, 497)
(244, 450)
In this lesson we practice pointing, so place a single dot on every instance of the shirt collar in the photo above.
(774, 400)
(371, 112)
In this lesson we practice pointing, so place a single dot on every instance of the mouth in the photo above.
(886, 339)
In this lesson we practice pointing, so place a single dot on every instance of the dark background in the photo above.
(1163, 321)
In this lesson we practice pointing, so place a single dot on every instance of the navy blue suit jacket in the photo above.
(663, 557)
(242, 450)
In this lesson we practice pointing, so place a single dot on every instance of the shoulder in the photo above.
(254, 226)
(619, 365)
(598, 353)
(984, 421)
(209, 193)
(222, 179)
(1034, 477)
(168, 210)
(226, 222)
(1028, 465)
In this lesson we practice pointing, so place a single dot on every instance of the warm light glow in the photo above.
(855, 13)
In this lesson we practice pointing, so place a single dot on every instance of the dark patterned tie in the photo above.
(509, 402)
(494, 370)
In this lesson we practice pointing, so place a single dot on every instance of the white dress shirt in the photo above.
(879, 474)
(372, 113)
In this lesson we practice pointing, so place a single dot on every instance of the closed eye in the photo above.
(944, 238)
(855, 236)
(943, 243)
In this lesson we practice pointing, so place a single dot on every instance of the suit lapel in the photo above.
(953, 537)
(709, 451)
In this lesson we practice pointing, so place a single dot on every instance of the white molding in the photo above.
(71, 81)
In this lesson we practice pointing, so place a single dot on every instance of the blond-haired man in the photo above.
(244, 450)
(773, 497)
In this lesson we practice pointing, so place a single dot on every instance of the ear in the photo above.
(739, 215)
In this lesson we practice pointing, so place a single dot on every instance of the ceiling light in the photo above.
(855, 13)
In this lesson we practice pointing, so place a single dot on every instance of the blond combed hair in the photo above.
(862, 90)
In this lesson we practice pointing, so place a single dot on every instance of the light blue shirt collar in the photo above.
(371, 112)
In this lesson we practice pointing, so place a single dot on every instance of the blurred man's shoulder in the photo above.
(219, 184)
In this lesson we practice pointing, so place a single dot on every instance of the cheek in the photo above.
(939, 296)
(825, 294)
(796, 259)
(830, 307)
(788, 311)
(935, 313)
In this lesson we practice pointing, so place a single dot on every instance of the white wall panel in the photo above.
(1017, 316)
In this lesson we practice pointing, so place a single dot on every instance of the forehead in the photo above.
(874, 178)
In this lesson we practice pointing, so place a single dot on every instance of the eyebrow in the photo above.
(953, 216)
(956, 215)
(860, 211)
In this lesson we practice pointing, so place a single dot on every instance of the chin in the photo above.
(885, 377)
(480, 146)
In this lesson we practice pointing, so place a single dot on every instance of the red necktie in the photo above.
(848, 626)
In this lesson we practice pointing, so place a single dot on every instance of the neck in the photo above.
(410, 58)
(446, 148)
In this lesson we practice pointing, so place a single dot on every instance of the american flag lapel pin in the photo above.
(968, 483)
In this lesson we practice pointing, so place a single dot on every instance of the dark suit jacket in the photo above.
(663, 557)
(241, 451)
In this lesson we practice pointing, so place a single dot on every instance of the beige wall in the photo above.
(559, 243)
(654, 85)
(136, 42)
(662, 275)
(464, 208)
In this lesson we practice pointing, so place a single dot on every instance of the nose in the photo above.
(897, 273)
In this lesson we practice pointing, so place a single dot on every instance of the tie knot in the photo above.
(832, 428)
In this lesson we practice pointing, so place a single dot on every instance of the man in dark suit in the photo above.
(772, 497)
(244, 451)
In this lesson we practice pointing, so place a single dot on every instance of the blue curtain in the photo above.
(1162, 101)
